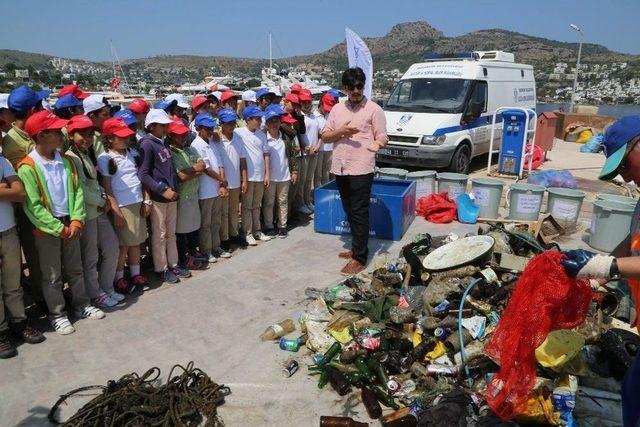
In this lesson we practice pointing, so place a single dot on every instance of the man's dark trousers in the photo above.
(355, 191)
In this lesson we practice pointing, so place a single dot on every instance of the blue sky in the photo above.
(139, 28)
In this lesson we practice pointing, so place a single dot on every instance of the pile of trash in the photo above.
(412, 339)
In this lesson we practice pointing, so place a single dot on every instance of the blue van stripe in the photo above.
(480, 121)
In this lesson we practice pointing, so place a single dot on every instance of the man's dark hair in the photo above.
(20, 115)
(352, 76)
(63, 113)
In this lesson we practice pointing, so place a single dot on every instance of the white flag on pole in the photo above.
(360, 56)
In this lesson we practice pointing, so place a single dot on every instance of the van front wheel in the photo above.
(461, 160)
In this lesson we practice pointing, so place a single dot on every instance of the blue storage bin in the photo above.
(391, 211)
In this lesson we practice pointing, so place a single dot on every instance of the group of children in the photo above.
(97, 185)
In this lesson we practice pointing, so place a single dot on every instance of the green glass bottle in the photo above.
(384, 398)
(330, 354)
(364, 370)
(379, 370)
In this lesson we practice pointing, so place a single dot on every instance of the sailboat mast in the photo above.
(270, 54)
(114, 60)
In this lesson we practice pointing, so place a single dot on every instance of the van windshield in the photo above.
(429, 95)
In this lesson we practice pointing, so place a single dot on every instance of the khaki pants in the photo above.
(275, 194)
(25, 232)
(310, 171)
(99, 244)
(61, 253)
(10, 264)
(251, 202)
(210, 218)
(230, 215)
(323, 166)
(297, 198)
(163, 235)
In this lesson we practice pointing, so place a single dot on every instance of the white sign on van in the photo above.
(436, 70)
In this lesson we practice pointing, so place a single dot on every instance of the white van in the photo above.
(439, 114)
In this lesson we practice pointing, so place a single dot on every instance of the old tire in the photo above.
(621, 347)
(461, 160)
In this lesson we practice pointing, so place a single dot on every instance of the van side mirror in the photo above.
(473, 111)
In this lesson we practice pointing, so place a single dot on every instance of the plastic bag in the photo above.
(538, 157)
(584, 136)
(437, 208)
(592, 145)
(553, 178)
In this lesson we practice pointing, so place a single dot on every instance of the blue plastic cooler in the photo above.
(392, 209)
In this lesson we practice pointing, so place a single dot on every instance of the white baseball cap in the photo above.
(179, 98)
(92, 103)
(156, 115)
(217, 94)
(4, 100)
(247, 95)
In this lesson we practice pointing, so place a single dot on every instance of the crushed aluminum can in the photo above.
(442, 307)
(290, 368)
(436, 369)
(393, 387)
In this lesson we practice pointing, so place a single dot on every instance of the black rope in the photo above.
(188, 398)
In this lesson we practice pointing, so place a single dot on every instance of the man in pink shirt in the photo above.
(357, 128)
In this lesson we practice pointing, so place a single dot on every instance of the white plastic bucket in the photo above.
(425, 182)
(487, 193)
(610, 224)
(392, 173)
(525, 201)
(452, 183)
(565, 204)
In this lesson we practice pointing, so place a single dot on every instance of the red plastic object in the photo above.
(437, 208)
(538, 158)
(545, 299)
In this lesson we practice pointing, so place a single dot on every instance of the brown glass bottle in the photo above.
(337, 381)
(401, 418)
(340, 422)
(371, 403)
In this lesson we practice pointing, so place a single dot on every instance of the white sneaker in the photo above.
(62, 325)
(221, 253)
(251, 241)
(262, 237)
(116, 296)
(104, 300)
(91, 312)
(305, 210)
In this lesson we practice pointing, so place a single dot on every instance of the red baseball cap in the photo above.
(177, 127)
(79, 122)
(292, 97)
(227, 95)
(116, 126)
(288, 118)
(305, 95)
(295, 88)
(72, 90)
(328, 101)
(139, 106)
(198, 101)
(43, 120)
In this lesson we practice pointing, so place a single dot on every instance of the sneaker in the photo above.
(91, 312)
(116, 296)
(282, 233)
(352, 267)
(305, 210)
(182, 273)
(272, 232)
(226, 245)
(251, 241)
(168, 277)
(239, 240)
(195, 264)
(221, 253)
(22, 330)
(210, 258)
(62, 325)
(104, 300)
(262, 237)
(123, 286)
(139, 282)
(7, 349)
(201, 257)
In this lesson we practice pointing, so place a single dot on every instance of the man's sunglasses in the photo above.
(358, 86)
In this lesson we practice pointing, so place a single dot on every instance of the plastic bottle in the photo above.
(338, 381)
(278, 330)
(340, 422)
(371, 404)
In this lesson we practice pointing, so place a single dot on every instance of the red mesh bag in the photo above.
(544, 299)
(437, 208)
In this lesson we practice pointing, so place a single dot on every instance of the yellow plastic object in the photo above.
(539, 410)
(584, 136)
(439, 350)
(559, 348)
(341, 335)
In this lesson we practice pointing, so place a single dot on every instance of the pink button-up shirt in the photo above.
(350, 155)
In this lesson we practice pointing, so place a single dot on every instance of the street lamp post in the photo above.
(575, 77)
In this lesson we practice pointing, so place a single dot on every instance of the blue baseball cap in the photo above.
(206, 120)
(252, 111)
(615, 144)
(43, 94)
(67, 101)
(128, 116)
(273, 111)
(227, 115)
(23, 99)
(334, 93)
(165, 105)
(263, 92)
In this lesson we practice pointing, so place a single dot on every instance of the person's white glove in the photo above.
(583, 264)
